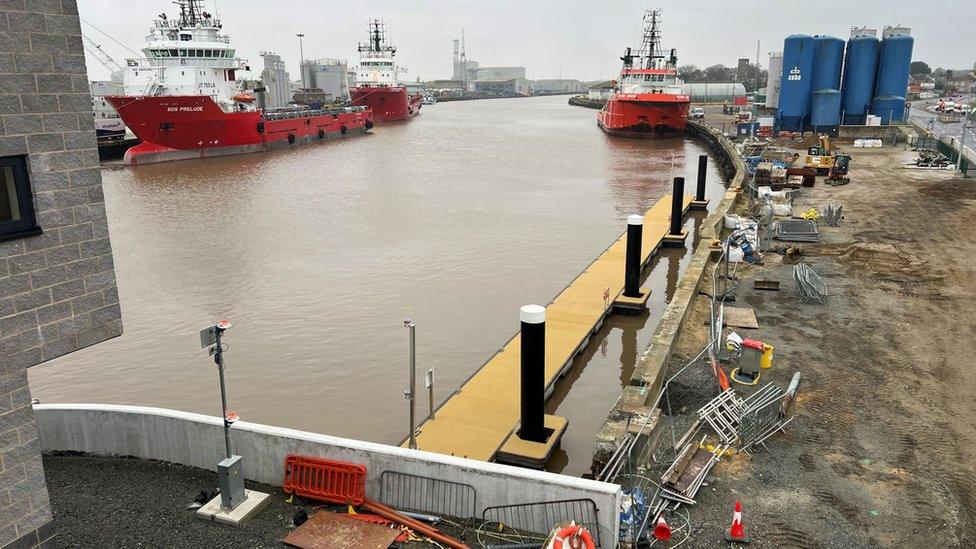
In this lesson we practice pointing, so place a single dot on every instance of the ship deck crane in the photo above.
(103, 58)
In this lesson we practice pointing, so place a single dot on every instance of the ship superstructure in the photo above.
(377, 79)
(648, 101)
(187, 55)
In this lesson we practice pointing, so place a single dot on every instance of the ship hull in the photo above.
(184, 127)
(644, 116)
(387, 103)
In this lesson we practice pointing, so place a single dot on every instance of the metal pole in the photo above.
(301, 67)
(962, 147)
(219, 359)
(412, 391)
(429, 380)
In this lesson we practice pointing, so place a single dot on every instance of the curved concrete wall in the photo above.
(197, 440)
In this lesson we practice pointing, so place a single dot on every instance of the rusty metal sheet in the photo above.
(326, 530)
(698, 463)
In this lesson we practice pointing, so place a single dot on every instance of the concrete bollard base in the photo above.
(631, 305)
(675, 240)
(530, 454)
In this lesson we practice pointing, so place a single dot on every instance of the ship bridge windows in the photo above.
(218, 54)
(186, 37)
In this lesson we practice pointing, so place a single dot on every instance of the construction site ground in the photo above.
(882, 452)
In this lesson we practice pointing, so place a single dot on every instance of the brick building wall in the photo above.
(57, 288)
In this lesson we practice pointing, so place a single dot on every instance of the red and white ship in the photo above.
(377, 80)
(185, 99)
(648, 102)
(179, 127)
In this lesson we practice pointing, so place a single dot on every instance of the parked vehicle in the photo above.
(697, 112)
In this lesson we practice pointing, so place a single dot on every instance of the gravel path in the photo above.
(110, 502)
(119, 502)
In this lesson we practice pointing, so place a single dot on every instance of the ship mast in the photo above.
(650, 49)
(376, 42)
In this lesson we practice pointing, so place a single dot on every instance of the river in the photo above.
(455, 219)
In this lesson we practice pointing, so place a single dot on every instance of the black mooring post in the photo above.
(632, 268)
(677, 206)
(533, 385)
(702, 166)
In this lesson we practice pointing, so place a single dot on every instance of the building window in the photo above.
(16, 204)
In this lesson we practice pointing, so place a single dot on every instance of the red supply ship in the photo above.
(648, 102)
(178, 127)
(377, 85)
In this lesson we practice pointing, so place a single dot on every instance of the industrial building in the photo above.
(329, 76)
(823, 84)
(495, 72)
(714, 92)
(461, 62)
(503, 86)
(274, 78)
(558, 85)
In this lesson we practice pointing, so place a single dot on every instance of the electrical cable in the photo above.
(107, 35)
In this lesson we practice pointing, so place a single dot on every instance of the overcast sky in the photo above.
(582, 39)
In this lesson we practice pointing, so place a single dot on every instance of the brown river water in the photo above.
(316, 254)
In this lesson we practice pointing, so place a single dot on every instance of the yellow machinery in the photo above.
(821, 157)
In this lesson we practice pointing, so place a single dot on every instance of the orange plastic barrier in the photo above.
(324, 479)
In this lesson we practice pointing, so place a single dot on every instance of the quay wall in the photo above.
(648, 376)
(197, 440)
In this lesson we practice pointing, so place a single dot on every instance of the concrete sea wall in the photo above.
(645, 383)
(197, 440)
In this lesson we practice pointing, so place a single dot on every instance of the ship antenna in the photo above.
(376, 35)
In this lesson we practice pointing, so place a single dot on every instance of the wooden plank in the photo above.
(740, 317)
(327, 530)
(477, 419)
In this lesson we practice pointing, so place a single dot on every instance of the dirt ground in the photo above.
(883, 449)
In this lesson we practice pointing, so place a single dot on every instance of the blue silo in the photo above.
(893, 68)
(828, 58)
(860, 69)
(794, 90)
(825, 113)
(889, 108)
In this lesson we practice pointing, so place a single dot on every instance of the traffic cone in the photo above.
(737, 533)
(661, 530)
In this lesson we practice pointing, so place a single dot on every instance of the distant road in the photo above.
(927, 119)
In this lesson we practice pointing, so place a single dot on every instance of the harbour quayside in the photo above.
(496, 325)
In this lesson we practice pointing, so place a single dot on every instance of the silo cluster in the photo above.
(821, 88)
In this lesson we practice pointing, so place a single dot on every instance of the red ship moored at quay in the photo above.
(377, 80)
(175, 127)
(649, 102)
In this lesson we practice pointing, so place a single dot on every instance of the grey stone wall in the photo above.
(57, 289)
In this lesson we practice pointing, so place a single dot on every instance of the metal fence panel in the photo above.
(428, 495)
(540, 517)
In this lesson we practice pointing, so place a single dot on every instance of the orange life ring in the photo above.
(572, 535)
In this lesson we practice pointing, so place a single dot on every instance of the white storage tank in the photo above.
(772, 81)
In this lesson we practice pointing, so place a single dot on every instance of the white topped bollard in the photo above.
(533, 373)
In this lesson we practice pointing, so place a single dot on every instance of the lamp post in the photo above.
(411, 393)
(229, 471)
(301, 67)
